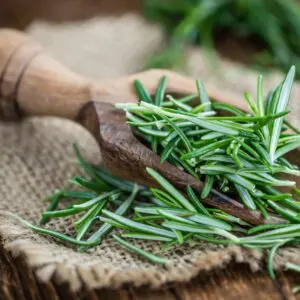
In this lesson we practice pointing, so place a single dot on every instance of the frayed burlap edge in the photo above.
(38, 256)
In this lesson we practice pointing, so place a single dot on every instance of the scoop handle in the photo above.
(32, 83)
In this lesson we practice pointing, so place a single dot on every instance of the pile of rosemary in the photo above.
(240, 154)
(275, 23)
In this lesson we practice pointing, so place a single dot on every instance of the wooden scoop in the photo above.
(33, 84)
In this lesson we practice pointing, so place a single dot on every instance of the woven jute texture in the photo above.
(36, 158)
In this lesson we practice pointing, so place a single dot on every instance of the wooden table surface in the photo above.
(17, 282)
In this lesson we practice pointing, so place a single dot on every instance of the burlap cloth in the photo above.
(36, 158)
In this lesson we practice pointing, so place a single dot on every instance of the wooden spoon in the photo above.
(33, 84)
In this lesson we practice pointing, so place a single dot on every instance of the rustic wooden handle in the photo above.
(32, 83)
(122, 89)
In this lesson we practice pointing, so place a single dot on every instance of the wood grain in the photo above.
(18, 282)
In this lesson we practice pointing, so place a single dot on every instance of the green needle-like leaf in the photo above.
(196, 202)
(142, 92)
(160, 91)
(170, 189)
(152, 258)
(137, 225)
(245, 197)
(203, 95)
(281, 106)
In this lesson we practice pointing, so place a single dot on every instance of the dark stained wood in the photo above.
(18, 282)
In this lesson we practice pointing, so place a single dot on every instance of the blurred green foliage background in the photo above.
(273, 25)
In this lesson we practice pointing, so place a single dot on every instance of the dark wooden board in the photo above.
(18, 282)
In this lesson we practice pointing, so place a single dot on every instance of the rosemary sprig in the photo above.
(239, 154)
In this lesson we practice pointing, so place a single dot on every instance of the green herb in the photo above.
(199, 21)
(153, 258)
(121, 210)
(281, 106)
(55, 234)
(271, 258)
(170, 189)
(53, 205)
(196, 202)
(239, 154)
